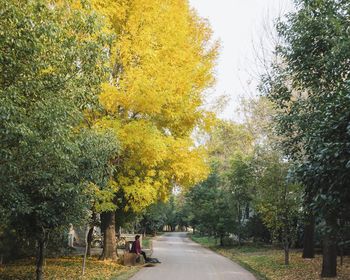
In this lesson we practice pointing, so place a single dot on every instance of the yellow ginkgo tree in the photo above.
(161, 64)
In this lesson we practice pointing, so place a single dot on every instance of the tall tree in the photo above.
(230, 147)
(154, 97)
(51, 69)
(310, 89)
(238, 184)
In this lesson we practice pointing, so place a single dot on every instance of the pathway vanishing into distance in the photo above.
(184, 259)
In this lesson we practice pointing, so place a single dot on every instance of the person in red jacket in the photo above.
(136, 248)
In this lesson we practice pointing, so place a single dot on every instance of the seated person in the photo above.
(136, 248)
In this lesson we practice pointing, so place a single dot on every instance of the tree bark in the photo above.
(286, 254)
(109, 242)
(329, 263)
(341, 245)
(89, 240)
(88, 229)
(239, 224)
(40, 258)
(308, 240)
(221, 240)
(341, 251)
(285, 240)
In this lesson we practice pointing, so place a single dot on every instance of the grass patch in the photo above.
(67, 268)
(206, 241)
(267, 263)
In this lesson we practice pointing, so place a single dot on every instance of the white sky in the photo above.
(238, 24)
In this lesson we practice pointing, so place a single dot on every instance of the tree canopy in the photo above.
(309, 87)
(52, 65)
(154, 96)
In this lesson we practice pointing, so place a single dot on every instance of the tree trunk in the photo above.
(341, 251)
(89, 240)
(285, 241)
(239, 224)
(341, 244)
(309, 233)
(329, 264)
(286, 254)
(40, 258)
(221, 240)
(109, 242)
(88, 229)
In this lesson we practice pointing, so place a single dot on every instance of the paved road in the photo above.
(183, 259)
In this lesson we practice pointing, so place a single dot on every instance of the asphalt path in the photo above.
(184, 259)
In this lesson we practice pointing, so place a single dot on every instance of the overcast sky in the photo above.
(238, 24)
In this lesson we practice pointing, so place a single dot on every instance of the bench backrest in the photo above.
(130, 237)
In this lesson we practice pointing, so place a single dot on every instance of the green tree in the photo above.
(230, 146)
(276, 199)
(309, 87)
(238, 185)
(210, 208)
(52, 60)
(154, 218)
(171, 213)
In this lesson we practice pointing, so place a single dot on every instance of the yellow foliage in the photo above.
(67, 269)
(103, 198)
(162, 62)
(48, 70)
(187, 164)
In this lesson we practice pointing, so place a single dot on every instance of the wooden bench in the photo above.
(132, 259)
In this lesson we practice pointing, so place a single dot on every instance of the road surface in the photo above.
(183, 259)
